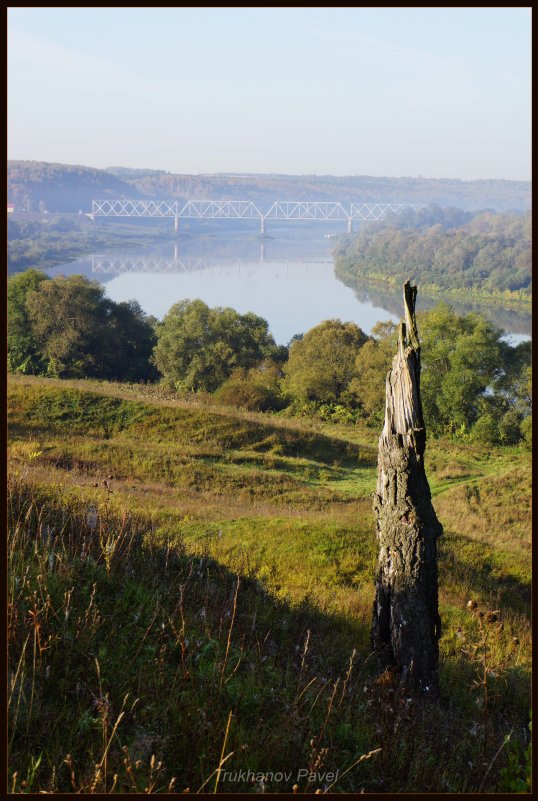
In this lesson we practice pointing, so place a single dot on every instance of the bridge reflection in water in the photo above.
(113, 265)
(306, 267)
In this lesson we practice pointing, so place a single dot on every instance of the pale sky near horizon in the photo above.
(441, 93)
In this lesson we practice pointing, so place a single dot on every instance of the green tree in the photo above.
(513, 393)
(24, 348)
(461, 362)
(371, 366)
(68, 315)
(81, 333)
(321, 365)
(198, 347)
(127, 343)
(472, 382)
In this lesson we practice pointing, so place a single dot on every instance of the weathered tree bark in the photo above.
(406, 626)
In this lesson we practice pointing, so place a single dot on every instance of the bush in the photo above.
(246, 394)
(321, 365)
(510, 428)
(526, 430)
(486, 429)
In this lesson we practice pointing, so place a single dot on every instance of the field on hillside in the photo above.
(190, 588)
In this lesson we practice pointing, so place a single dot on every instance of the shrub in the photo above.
(510, 427)
(526, 430)
(486, 429)
(321, 364)
(246, 394)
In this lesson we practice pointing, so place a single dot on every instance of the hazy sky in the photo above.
(342, 91)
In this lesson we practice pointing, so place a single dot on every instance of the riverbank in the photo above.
(503, 298)
(42, 243)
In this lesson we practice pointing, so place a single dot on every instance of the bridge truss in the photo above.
(246, 209)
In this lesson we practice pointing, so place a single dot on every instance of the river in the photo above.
(287, 278)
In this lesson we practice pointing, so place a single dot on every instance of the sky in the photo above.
(435, 92)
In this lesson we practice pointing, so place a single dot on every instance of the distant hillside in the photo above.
(60, 187)
(133, 172)
(38, 185)
(500, 195)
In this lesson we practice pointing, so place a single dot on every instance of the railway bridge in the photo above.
(248, 210)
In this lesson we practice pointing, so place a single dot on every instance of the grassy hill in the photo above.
(191, 588)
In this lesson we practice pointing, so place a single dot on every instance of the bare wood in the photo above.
(406, 626)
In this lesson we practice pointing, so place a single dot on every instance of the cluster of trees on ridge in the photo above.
(62, 187)
(40, 185)
(474, 384)
(490, 253)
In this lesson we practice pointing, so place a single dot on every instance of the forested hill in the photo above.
(59, 187)
(40, 186)
(489, 255)
(500, 195)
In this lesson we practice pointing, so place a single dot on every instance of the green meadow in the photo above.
(190, 596)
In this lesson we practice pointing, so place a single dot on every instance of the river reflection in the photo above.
(516, 323)
(288, 279)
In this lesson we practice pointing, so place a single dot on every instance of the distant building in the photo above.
(10, 208)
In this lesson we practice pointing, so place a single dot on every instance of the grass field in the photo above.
(191, 584)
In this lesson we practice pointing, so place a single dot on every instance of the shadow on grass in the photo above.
(471, 563)
(102, 609)
(123, 647)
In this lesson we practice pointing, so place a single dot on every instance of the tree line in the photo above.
(475, 385)
(498, 194)
(489, 253)
(62, 187)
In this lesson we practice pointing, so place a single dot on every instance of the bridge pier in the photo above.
(176, 224)
(350, 225)
(262, 225)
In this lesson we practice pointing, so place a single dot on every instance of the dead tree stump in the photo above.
(406, 626)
